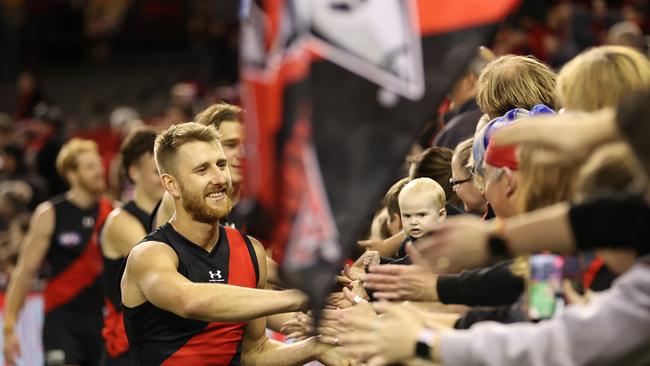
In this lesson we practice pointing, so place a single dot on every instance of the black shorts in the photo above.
(71, 340)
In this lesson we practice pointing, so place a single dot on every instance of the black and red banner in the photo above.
(336, 92)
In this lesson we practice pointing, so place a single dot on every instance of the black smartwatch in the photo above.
(498, 247)
(425, 344)
(497, 244)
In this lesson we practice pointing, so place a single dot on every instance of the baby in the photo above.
(422, 206)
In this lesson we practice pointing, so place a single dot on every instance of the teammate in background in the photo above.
(63, 236)
(193, 289)
(124, 228)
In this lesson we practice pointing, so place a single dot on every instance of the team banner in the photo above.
(335, 93)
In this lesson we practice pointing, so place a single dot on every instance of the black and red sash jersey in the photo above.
(73, 260)
(114, 335)
(159, 337)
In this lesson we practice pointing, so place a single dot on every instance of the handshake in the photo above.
(373, 334)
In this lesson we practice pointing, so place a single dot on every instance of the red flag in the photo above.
(336, 92)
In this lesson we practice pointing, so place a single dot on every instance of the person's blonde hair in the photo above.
(463, 152)
(515, 82)
(611, 167)
(218, 113)
(66, 160)
(544, 177)
(602, 77)
(426, 185)
(168, 142)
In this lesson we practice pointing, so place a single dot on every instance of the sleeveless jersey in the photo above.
(159, 337)
(113, 332)
(73, 261)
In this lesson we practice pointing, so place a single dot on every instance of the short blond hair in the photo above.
(426, 185)
(66, 160)
(602, 77)
(218, 113)
(511, 82)
(168, 142)
(463, 152)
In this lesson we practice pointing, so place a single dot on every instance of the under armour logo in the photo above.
(88, 222)
(217, 274)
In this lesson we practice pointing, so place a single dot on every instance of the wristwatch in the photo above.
(425, 344)
(497, 244)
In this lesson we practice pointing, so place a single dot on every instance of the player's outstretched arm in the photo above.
(151, 275)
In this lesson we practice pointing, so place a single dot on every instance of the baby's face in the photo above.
(420, 214)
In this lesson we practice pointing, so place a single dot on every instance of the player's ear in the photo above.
(171, 185)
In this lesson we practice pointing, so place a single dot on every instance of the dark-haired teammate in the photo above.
(124, 228)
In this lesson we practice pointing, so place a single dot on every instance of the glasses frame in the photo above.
(454, 183)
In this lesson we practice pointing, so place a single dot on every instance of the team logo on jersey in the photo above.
(216, 276)
(88, 222)
(69, 239)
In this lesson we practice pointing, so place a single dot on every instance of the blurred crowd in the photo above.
(32, 133)
(590, 59)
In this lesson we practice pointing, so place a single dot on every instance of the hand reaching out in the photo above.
(573, 133)
(298, 328)
(398, 283)
(338, 300)
(459, 243)
(336, 321)
(388, 339)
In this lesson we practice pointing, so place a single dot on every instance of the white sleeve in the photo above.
(612, 325)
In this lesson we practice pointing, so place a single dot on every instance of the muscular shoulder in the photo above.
(151, 254)
(150, 258)
(259, 248)
(44, 209)
(122, 223)
(121, 232)
(44, 216)
(260, 254)
(260, 251)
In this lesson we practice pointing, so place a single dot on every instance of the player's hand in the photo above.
(331, 355)
(11, 347)
(298, 328)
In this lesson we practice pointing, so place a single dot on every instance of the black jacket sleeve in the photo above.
(489, 286)
(617, 220)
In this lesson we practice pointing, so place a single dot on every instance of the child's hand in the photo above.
(371, 257)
